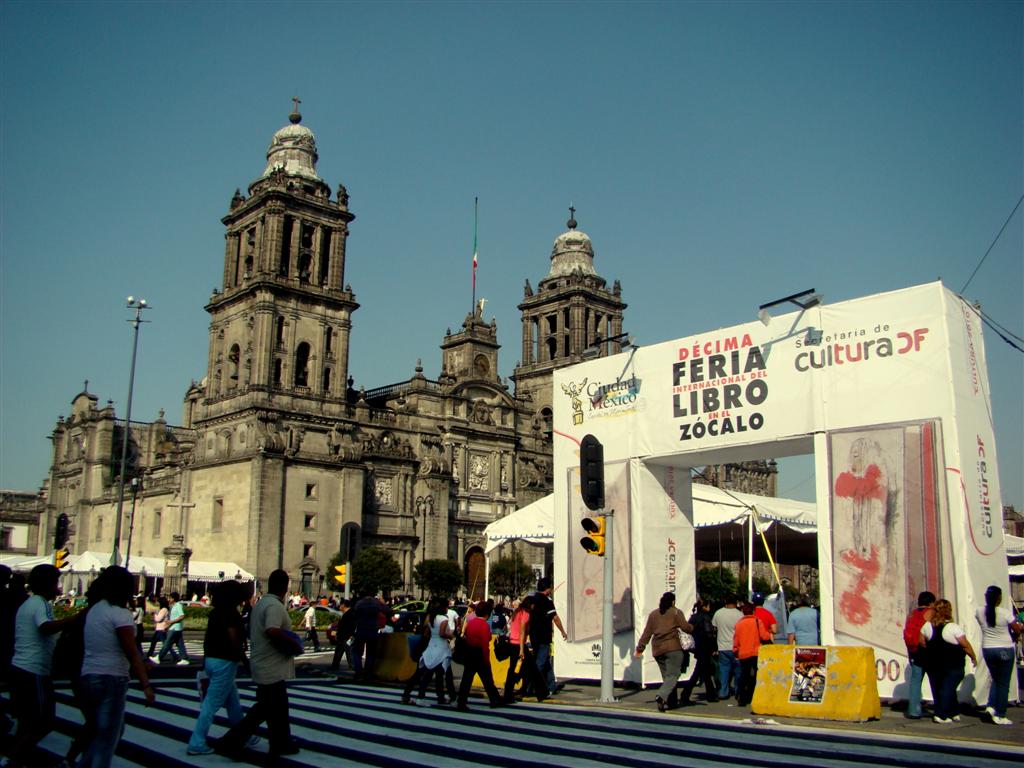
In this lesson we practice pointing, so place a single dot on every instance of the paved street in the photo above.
(361, 725)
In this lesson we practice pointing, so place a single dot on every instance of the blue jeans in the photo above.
(104, 696)
(222, 693)
(914, 691)
(947, 704)
(545, 668)
(1000, 665)
(728, 674)
(177, 639)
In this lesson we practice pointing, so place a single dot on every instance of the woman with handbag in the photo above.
(705, 638)
(663, 627)
(434, 653)
(999, 631)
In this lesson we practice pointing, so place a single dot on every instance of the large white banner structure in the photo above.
(889, 392)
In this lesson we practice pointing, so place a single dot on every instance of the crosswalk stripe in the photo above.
(367, 726)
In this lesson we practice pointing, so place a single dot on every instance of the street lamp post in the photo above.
(138, 306)
(136, 485)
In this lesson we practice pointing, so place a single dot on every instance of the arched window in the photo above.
(302, 365)
(327, 381)
(305, 266)
(233, 357)
(328, 339)
(546, 418)
(279, 330)
(277, 371)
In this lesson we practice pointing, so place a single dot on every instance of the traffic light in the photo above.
(593, 542)
(592, 472)
(342, 576)
(60, 533)
(60, 557)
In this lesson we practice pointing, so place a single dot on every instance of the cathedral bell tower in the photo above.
(280, 325)
(571, 312)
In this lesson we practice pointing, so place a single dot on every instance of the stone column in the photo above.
(176, 559)
(344, 328)
(338, 243)
(294, 248)
(527, 341)
(270, 245)
(229, 239)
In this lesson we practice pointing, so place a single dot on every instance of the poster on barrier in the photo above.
(810, 672)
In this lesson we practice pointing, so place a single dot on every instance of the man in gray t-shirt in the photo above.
(725, 619)
(35, 635)
(273, 648)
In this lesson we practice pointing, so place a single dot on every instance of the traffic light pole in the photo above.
(607, 619)
(348, 579)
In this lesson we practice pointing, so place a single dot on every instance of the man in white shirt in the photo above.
(310, 621)
(725, 619)
(35, 635)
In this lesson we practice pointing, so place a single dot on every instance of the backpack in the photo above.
(912, 631)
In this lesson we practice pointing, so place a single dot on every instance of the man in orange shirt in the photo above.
(750, 633)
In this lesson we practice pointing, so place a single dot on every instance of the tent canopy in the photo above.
(534, 523)
(711, 507)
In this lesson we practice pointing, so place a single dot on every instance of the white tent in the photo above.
(535, 522)
(94, 562)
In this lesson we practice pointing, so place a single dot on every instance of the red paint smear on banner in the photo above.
(852, 604)
(849, 486)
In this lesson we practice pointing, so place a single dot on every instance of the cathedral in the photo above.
(279, 462)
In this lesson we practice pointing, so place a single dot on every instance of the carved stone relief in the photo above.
(382, 492)
(478, 472)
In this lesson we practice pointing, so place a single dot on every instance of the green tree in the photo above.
(511, 576)
(762, 585)
(375, 570)
(716, 584)
(438, 577)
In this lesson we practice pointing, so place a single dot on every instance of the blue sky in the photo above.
(720, 155)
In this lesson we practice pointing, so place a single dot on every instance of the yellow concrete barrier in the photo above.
(393, 660)
(821, 682)
(394, 663)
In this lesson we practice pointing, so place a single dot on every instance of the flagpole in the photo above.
(476, 200)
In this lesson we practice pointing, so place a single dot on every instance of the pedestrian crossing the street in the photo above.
(355, 725)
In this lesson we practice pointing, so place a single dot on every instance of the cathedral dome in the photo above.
(572, 252)
(293, 150)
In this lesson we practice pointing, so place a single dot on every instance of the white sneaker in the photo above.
(1001, 720)
(991, 712)
(942, 720)
(183, 662)
(956, 718)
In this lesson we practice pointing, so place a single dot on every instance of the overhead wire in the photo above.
(996, 240)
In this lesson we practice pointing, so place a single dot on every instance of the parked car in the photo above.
(411, 605)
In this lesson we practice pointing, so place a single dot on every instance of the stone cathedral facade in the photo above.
(279, 460)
